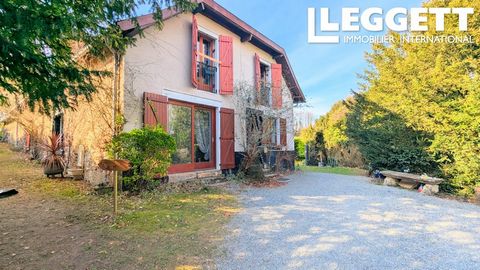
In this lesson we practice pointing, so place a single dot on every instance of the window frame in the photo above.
(269, 80)
(202, 31)
(193, 165)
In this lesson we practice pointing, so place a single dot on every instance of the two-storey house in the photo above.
(188, 73)
(189, 77)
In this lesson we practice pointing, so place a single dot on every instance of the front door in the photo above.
(193, 127)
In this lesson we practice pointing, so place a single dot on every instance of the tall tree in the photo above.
(434, 89)
(36, 36)
(419, 106)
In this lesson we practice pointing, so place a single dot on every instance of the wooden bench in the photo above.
(411, 181)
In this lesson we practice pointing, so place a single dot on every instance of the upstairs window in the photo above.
(265, 85)
(268, 83)
(57, 125)
(206, 63)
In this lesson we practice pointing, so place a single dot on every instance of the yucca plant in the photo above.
(53, 162)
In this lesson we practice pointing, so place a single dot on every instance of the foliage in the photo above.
(434, 88)
(40, 40)
(419, 108)
(334, 125)
(53, 159)
(299, 148)
(258, 122)
(384, 139)
(328, 141)
(148, 149)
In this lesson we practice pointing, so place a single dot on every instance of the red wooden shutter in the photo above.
(226, 65)
(283, 132)
(155, 110)
(227, 139)
(257, 72)
(194, 51)
(277, 85)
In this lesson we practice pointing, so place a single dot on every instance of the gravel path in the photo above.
(323, 221)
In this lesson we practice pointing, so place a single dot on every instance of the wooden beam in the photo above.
(278, 56)
(202, 55)
(247, 38)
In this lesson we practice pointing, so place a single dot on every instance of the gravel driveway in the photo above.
(324, 221)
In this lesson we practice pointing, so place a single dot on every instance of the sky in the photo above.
(327, 73)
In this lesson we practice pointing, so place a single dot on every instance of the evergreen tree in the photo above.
(36, 57)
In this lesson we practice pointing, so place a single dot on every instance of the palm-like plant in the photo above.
(53, 162)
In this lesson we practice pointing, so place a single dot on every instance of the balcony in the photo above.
(206, 74)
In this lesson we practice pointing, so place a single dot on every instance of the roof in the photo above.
(219, 14)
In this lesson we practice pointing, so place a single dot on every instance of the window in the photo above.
(274, 127)
(57, 126)
(203, 135)
(193, 128)
(265, 85)
(206, 63)
(270, 131)
(180, 127)
(255, 127)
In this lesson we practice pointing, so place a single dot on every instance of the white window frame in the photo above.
(204, 31)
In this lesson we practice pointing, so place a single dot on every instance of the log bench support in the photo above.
(411, 181)
(430, 189)
(391, 182)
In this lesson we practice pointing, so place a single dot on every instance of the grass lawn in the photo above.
(334, 170)
(61, 224)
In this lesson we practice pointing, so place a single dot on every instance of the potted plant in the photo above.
(53, 162)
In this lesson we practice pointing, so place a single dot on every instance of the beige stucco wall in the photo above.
(87, 128)
(162, 61)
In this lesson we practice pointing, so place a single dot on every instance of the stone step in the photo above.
(213, 180)
(182, 177)
(271, 175)
(206, 174)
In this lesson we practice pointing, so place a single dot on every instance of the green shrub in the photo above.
(149, 150)
(299, 148)
(386, 141)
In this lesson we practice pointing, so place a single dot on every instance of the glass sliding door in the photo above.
(180, 127)
(193, 128)
(204, 138)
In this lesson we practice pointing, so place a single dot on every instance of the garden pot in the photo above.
(53, 170)
(76, 174)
